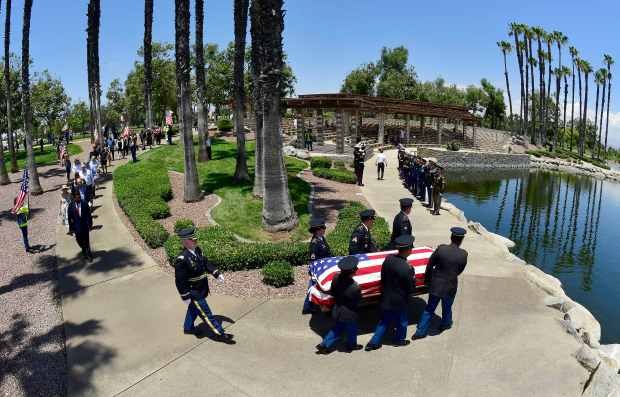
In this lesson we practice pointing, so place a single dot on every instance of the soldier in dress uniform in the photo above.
(402, 225)
(359, 155)
(397, 281)
(319, 249)
(347, 294)
(439, 185)
(442, 271)
(191, 269)
(361, 241)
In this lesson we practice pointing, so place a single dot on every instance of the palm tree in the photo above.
(94, 89)
(201, 86)
(579, 126)
(600, 126)
(241, 21)
(35, 186)
(608, 60)
(255, 68)
(4, 175)
(599, 79)
(278, 211)
(505, 47)
(7, 82)
(558, 83)
(565, 73)
(515, 31)
(532, 63)
(148, 57)
(574, 54)
(586, 68)
(560, 39)
(539, 33)
(184, 97)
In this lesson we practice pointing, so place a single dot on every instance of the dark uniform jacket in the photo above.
(444, 266)
(319, 248)
(347, 294)
(190, 274)
(82, 223)
(397, 281)
(439, 183)
(359, 156)
(428, 176)
(400, 226)
(361, 241)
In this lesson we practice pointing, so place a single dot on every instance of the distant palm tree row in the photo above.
(539, 110)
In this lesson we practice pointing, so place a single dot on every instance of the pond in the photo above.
(562, 223)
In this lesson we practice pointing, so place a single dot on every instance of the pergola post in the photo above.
(300, 130)
(318, 127)
(354, 132)
(438, 130)
(346, 123)
(463, 131)
(422, 124)
(339, 132)
(408, 129)
(381, 137)
(473, 129)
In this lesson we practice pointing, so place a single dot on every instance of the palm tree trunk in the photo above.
(565, 101)
(148, 57)
(7, 82)
(533, 112)
(585, 117)
(608, 101)
(201, 86)
(508, 89)
(597, 144)
(35, 186)
(257, 62)
(527, 90)
(94, 20)
(541, 93)
(520, 63)
(580, 124)
(278, 211)
(184, 97)
(241, 21)
(600, 130)
(572, 112)
(558, 86)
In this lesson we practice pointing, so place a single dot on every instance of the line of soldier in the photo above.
(424, 178)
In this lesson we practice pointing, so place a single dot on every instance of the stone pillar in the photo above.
(300, 130)
(354, 128)
(473, 129)
(439, 131)
(339, 132)
(408, 129)
(346, 123)
(422, 124)
(318, 127)
(381, 137)
(463, 131)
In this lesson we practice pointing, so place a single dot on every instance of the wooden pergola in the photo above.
(347, 105)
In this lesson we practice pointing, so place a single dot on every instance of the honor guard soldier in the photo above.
(347, 294)
(397, 282)
(191, 269)
(401, 225)
(359, 155)
(439, 185)
(361, 241)
(319, 249)
(442, 271)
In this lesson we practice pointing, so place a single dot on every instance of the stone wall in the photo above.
(467, 159)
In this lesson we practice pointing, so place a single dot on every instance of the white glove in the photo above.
(220, 278)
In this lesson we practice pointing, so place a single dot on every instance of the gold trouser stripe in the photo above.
(198, 278)
(206, 319)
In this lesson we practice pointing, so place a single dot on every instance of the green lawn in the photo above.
(47, 157)
(239, 211)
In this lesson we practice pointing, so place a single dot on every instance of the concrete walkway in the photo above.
(129, 340)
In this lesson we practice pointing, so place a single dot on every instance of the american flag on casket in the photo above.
(368, 274)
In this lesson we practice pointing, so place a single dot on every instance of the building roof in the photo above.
(374, 104)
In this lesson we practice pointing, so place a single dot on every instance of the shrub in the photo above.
(453, 146)
(278, 274)
(348, 219)
(320, 162)
(339, 164)
(182, 223)
(152, 232)
(224, 125)
(336, 174)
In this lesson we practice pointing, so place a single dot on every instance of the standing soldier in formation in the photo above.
(429, 175)
(319, 249)
(439, 185)
(397, 281)
(442, 271)
(191, 269)
(402, 225)
(308, 140)
(361, 241)
(359, 155)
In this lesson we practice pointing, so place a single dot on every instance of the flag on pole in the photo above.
(23, 192)
(168, 117)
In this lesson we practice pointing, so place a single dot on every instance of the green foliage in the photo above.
(224, 125)
(183, 223)
(278, 274)
(361, 81)
(320, 162)
(339, 164)
(348, 219)
(342, 175)
(453, 146)
(47, 157)
(79, 117)
(49, 101)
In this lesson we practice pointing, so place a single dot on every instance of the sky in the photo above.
(325, 39)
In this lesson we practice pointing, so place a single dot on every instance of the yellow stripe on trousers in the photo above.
(205, 318)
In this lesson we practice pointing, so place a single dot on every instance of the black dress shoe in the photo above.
(322, 349)
(444, 328)
(416, 337)
(401, 343)
(190, 331)
(225, 337)
(370, 347)
(350, 349)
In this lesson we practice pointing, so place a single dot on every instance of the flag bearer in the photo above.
(22, 222)
(191, 271)
(319, 249)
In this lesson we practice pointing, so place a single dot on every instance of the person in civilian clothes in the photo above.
(402, 225)
(347, 294)
(361, 240)
(80, 224)
(444, 266)
(397, 281)
(381, 162)
(22, 222)
(191, 270)
(319, 249)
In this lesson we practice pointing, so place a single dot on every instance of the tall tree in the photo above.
(148, 59)
(7, 85)
(586, 68)
(559, 39)
(579, 124)
(201, 87)
(574, 54)
(529, 34)
(184, 98)
(278, 211)
(92, 53)
(608, 61)
(4, 175)
(539, 33)
(515, 31)
(256, 67)
(241, 22)
(565, 73)
(558, 81)
(600, 123)
(35, 185)
(505, 47)
(599, 79)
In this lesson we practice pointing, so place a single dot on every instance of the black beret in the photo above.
(348, 263)
(404, 241)
(367, 214)
(458, 231)
(406, 202)
(316, 223)
(187, 234)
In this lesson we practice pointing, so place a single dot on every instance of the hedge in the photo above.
(348, 219)
(224, 125)
(183, 223)
(342, 175)
(278, 274)
(320, 162)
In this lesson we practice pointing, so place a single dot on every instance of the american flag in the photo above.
(168, 117)
(23, 192)
(368, 274)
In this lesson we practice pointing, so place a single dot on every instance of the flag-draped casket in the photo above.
(368, 274)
